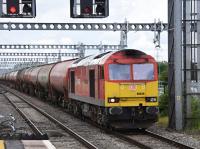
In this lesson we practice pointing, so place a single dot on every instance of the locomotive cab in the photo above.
(131, 88)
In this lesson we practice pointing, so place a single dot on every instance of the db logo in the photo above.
(132, 87)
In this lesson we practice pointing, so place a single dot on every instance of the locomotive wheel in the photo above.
(31, 91)
(77, 109)
(70, 107)
(94, 114)
(102, 118)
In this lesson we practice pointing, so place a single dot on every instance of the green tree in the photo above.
(163, 71)
(164, 98)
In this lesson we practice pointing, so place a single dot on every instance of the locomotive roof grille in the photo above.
(133, 53)
(101, 55)
(80, 59)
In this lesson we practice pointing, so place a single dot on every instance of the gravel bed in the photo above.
(148, 140)
(177, 136)
(91, 133)
(102, 140)
(6, 108)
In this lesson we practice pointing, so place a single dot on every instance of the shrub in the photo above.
(163, 104)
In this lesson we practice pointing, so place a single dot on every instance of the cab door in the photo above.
(72, 81)
(92, 82)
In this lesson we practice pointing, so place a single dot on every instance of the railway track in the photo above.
(150, 140)
(35, 129)
(37, 133)
(146, 140)
(173, 142)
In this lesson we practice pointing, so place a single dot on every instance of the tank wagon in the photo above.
(117, 89)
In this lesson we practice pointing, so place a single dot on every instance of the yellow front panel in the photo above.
(131, 94)
(2, 144)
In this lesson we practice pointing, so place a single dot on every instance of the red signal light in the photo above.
(12, 6)
(12, 9)
(87, 9)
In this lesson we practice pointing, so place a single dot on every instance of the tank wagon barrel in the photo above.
(43, 80)
(59, 79)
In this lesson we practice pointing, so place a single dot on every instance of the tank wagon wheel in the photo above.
(31, 90)
(35, 91)
(75, 109)
(20, 87)
(94, 114)
(69, 107)
(54, 98)
(26, 90)
(61, 102)
(41, 95)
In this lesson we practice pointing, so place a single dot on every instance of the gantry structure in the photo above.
(9, 59)
(124, 28)
(184, 59)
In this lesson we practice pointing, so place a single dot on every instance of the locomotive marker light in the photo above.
(151, 99)
(17, 8)
(89, 8)
(113, 100)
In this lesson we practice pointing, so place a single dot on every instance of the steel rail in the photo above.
(124, 137)
(60, 124)
(130, 140)
(118, 135)
(175, 143)
(36, 131)
(151, 134)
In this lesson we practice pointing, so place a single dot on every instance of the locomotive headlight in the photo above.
(151, 99)
(113, 100)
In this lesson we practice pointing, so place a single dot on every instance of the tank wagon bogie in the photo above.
(117, 89)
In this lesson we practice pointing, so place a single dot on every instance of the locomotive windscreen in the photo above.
(143, 71)
(119, 72)
(123, 72)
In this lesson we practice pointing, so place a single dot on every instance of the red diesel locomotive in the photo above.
(118, 89)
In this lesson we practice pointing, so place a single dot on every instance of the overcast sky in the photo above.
(57, 11)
